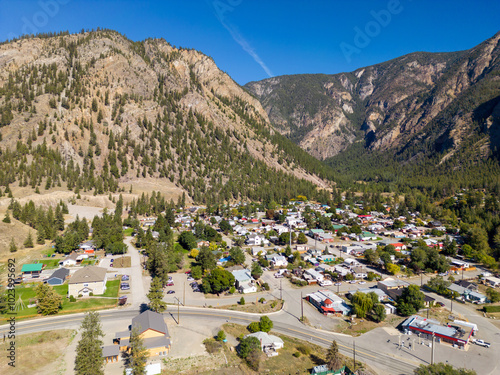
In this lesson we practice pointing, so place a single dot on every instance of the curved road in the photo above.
(380, 361)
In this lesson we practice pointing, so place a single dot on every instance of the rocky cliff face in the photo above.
(129, 110)
(431, 98)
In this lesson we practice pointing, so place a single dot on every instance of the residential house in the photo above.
(244, 281)
(89, 245)
(279, 261)
(152, 330)
(268, 343)
(392, 284)
(367, 236)
(70, 260)
(91, 279)
(382, 296)
(468, 294)
(255, 239)
(256, 250)
(58, 277)
(390, 309)
(325, 237)
(313, 232)
(359, 272)
(492, 281)
(302, 248)
(312, 276)
(328, 303)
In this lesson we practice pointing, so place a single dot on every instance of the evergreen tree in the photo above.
(138, 353)
(29, 241)
(6, 219)
(59, 219)
(40, 236)
(12, 246)
(49, 302)
(155, 296)
(88, 359)
(333, 359)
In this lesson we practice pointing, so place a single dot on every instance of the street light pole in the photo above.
(281, 292)
(302, 307)
(432, 349)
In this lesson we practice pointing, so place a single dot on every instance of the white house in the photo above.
(87, 280)
(255, 239)
(279, 261)
(244, 281)
(314, 275)
(267, 342)
(70, 260)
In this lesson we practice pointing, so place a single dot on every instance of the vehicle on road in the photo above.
(112, 260)
(326, 283)
(171, 292)
(124, 286)
(338, 284)
(482, 343)
(362, 282)
(352, 282)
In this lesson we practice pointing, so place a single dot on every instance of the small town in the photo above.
(340, 270)
(239, 187)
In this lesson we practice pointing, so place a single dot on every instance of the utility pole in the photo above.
(451, 304)
(432, 349)
(281, 292)
(421, 278)
(428, 312)
(462, 273)
(399, 342)
(184, 295)
(302, 307)
(354, 349)
(178, 316)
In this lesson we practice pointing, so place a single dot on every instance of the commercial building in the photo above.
(328, 302)
(452, 333)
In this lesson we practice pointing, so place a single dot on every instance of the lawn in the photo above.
(92, 303)
(128, 232)
(89, 262)
(252, 307)
(50, 263)
(38, 350)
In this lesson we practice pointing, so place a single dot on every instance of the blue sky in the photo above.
(254, 39)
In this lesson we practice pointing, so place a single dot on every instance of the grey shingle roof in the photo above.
(88, 274)
(150, 320)
(110, 350)
(60, 273)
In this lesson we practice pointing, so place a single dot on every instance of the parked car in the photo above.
(352, 282)
(440, 304)
(170, 283)
(362, 282)
(171, 292)
(125, 277)
(190, 278)
(338, 284)
(124, 286)
(482, 343)
(112, 260)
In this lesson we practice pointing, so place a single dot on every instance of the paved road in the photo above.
(386, 364)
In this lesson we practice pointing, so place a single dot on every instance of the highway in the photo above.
(382, 362)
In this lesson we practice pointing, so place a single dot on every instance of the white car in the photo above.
(362, 282)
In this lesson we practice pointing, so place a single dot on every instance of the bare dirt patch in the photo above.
(259, 308)
(37, 353)
(122, 262)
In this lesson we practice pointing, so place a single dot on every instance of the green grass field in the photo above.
(50, 263)
(28, 292)
(128, 232)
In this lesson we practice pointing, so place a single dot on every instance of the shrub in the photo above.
(296, 354)
(304, 349)
(273, 304)
(221, 335)
(254, 327)
(262, 300)
(491, 309)
(91, 294)
(265, 286)
(242, 301)
(72, 299)
(212, 346)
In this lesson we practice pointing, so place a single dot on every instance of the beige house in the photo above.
(87, 280)
(153, 331)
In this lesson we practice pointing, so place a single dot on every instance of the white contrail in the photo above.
(236, 35)
(238, 38)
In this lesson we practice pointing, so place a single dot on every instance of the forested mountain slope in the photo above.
(438, 110)
(95, 111)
